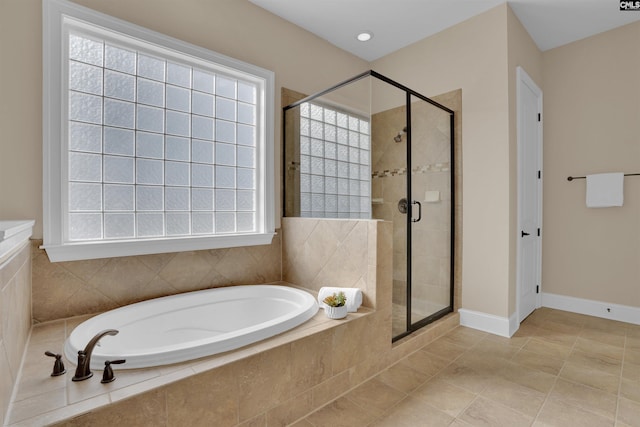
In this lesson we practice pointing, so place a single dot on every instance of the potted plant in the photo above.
(336, 306)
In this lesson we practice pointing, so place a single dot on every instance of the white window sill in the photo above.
(105, 249)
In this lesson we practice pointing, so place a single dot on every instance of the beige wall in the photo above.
(473, 56)
(591, 111)
(237, 28)
(522, 52)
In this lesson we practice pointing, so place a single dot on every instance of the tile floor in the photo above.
(560, 369)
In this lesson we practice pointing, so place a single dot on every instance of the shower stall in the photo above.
(372, 148)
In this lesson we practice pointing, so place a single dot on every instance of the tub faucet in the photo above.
(83, 371)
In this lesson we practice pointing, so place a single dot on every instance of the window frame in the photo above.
(56, 15)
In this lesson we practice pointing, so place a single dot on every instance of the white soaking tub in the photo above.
(187, 326)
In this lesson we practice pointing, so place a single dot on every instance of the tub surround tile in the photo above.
(149, 409)
(330, 253)
(121, 278)
(6, 384)
(311, 361)
(86, 389)
(189, 383)
(124, 393)
(15, 319)
(264, 381)
(291, 410)
(156, 262)
(62, 290)
(265, 361)
(35, 379)
(41, 403)
(206, 399)
(61, 415)
(85, 269)
(327, 391)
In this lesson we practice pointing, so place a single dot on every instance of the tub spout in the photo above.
(83, 371)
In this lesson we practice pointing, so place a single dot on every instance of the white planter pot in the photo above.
(336, 312)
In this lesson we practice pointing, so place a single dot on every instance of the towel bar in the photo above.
(571, 178)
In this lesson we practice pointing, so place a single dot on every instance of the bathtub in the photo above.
(187, 326)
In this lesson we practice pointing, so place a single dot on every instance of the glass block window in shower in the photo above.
(335, 173)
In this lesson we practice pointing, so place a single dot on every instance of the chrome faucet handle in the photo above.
(107, 375)
(58, 365)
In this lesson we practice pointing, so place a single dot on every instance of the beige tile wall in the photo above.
(74, 288)
(332, 252)
(15, 320)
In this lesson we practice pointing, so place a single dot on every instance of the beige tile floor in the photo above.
(560, 369)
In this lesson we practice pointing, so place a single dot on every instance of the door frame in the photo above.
(523, 79)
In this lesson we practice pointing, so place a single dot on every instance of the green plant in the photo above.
(336, 300)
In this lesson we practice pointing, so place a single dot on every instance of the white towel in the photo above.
(354, 297)
(605, 190)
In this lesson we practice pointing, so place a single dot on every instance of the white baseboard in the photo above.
(622, 313)
(505, 327)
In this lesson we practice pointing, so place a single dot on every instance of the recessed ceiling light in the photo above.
(365, 36)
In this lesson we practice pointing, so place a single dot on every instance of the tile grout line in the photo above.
(546, 399)
(624, 351)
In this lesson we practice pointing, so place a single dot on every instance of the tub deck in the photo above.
(43, 400)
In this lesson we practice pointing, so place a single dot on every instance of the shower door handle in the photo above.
(415, 202)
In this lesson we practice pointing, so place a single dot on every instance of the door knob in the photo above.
(524, 234)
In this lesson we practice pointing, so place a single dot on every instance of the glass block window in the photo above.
(335, 172)
(158, 139)
(156, 147)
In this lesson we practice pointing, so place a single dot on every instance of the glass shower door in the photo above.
(430, 213)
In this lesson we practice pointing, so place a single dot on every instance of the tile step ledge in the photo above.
(12, 235)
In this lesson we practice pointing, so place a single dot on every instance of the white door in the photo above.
(529, 247)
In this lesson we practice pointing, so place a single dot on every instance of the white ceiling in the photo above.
(398, 23)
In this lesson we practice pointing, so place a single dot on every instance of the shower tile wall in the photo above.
(15, 320)
(74, 288)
